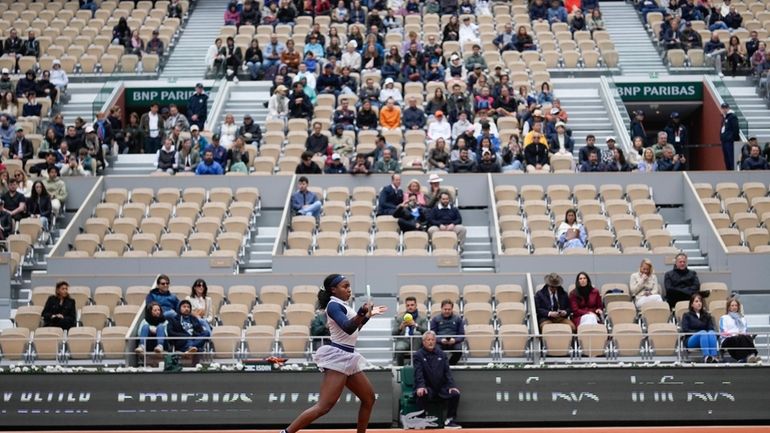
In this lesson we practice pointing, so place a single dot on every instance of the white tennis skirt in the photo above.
(333, 358)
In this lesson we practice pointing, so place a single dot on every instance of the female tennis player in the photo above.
(341, 364)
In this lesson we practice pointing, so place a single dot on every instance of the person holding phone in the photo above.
(644, 284)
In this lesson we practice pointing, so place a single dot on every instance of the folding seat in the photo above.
(201, 242)
(480, 338)
(506, 192)
(745, 220)
(589, 207)
(260, 340)
(663, 338)
(615, 207)
(513, 340)
(328, 241)
(621, 312)
(477, 313)
(601, 238)
(233, 314)
(293, 340)
(594, 222)
(473, 293)
(248, 195)
(557, 339)
(338, 193)
(704, 190)
(135, 211)
(415, 240)
(47, 343)
(720, 220)
(14, 343)
(612, 292)
(267, 314)
(302, 223)
(22, 244)
(727, 190)
(304, 294)
(189, 210)
(81, 342)
(176, 253)
(236, 224)
(535, 207)
(106, 210)
(537, 223)
(441, 292)
(221, 195)
(386, 240)
(214, 210)
(242, 294)
(117, 196)
(274, 294)
(181, 225)
(419, 292)
(735, 205)
(630, 238)
(386, 223)
(510, 223)
(592, 339)
(357, 241)
(97, 226)
(194, 195)
(96, 316)
(756, 237)
(356, 223)
(109, 296)
(628, 339)
(336, 208)
(28, 316)
(226, 341)
(637, 191)
(508, 207)
(364, 193)
(172, 242)
(542, 239)
(584, 192)
(531, 192)
(510, 313)
(651, 222)
(299, 314)
(655, 312)
(361, 208)
(142, 195)
(444, 240)
(752, 190)
(658, 238)
(712, 205)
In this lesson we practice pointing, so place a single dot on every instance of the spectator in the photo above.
(512, 156)
(690, 38)
(272, 52)
(7, 131)
(9, 106)
(175, 10)
(6, 85)
(676, 134)
(152, 128)
(300, 106)
(197, 107)
(644, 284)
(305, 202)
(736, 54)
(475, 58)
(464, 164)
(320, 328)
(121, 33)
(446, 217)
(647, 164)
(391, 196)
(387, 164)
(188, 158)
(714, 49)
(433, 379)
(361, 165)
(351, 57)
(21, 148)
(344, 116)
(154, 45)
(237, 157)
(578, 22)
(411, 214)
(88, 5)
(561, 140)
(185, 330)
(571, 234)
(39, 206)
(135, 44)
(733, 20)
(536, 153)
(335, 166)
(307, 165)
(6, 222)
(26, 84)
(759, 60)
(56, 188)
(233, 58)
(287, 13)
(618, 162)
(504, 38)
(410, 324)
(390, 116)
(317, 142)
(755, 161)
(680, 282)
(232, 16)
(488, 163)
(277, 106)
(595, 21)
(201, 303)
(752, 44)
(733, 331)
(552, 303)
(414, 118)
(153, 325)
(557, 13)
(249, 132)
(438, 103)
(438, 157)
(60, 310)
(390, 92)
(593, 164)
(538, 11)
(209, 166)
(160, 293)
(217, 150)
(73, 168)
(468, 32)
(450, 331)
(585, 302)
(699, 327)
(669, 161)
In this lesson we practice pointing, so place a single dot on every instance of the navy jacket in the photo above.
(730, 131)
(664, 164)
(445, 216)
(431, 371)
(414, 117)
(691, 323)
(453, 325)
(587, 167)
(167, 301)
(543, 303)
(759, 163)
(198, 104)
(390, 198)
(637, 130)
(685, 281)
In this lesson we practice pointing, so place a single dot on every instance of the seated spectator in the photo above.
(232, 16)
(410, 324)
(647, 163)
(31, 108)
(755, 161)
(464, 164)
(155, 46)
(538, 11)
(60, 310)
(278, 105)
(450, 331)
(504, 38)
(56, 188)
(254, 59)
(166, 157)
(390, 92)
(73, 168)
(387, 164)
(669, 161)
(21, 148)
(6, 222)
(367, 118)
(690, 38)
(336, 166)
(714, 49)
(287, 13)
(300, 106)
(618, 162)
(438, 157)
(512, 156)
(317, 142)
(578, 22)
(201, 304)
(561, 140)
(411, 214)
(391, 196)
(680, 282)
(585, 302)
(736, 54)
(344, 116)
(153, 325)
(342, 144)
(557, 13)
(379, 146)
(237, 157)
(670, 37)
(307, 165)
(433, 379)
(446, 217)
(522, 42)
(328, 82)
(215, 58)
(733, 331)
(439, 128)
(595, 21)
(593, 164)
(552, 303)
(121, 33)
(413, 117)
(488, 163)
(698, 326)
(536, 153)
(304, 202)
(733, 20)
(209, 166)
(759, 60)
(469, 31)
(390, 115)
(15, 202)
(185, 331)
(160, 293)
(361, 165)
(475, 58)
(644, 284)
(175, 10)
(39, 206)
(571, 234)
(233, 56)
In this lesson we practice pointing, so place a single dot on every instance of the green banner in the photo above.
(671, 91)
(143, 96)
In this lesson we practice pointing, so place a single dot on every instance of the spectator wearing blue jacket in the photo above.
(186, 333)
(445, 217)
(304, 202)
(209, 165)
(160, 294)
(557, 13)
(433, 379)
(219, 152)
(755, 161)
(669, 161)
(450, 331)
(538, 11)
(197, 107)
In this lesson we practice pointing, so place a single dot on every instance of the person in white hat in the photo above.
(390, 91)
(58, 76)
(351, 57)
(278, 106)
(608, 154)
(435, 190)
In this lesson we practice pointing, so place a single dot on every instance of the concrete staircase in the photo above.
(258, 257)
(243, 98)
(683, 238)
(81, 102)
(477, 255)
(752, 106)
(584, 106)
(187, 59)
(637, 54)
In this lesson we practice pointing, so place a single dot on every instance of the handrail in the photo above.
(612, 102)
(284, 217)
(703, 209)
(722, 93)
(495, 219)
(96, 189)
(99, 104)
(223, 94)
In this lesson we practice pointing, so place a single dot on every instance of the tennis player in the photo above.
(341, 364)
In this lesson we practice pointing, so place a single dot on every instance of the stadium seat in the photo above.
(592, 339)
(557, 339)
(480, 339)
(260, 340)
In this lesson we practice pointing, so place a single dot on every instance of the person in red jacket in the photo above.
(585, 302)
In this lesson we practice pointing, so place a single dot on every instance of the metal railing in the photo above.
(724, 93)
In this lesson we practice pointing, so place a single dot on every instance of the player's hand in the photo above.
(422, 392)
(376, 310)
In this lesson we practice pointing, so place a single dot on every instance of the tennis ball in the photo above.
(408, 317)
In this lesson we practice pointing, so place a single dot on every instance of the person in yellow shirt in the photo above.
(390, 115)
(537, 131)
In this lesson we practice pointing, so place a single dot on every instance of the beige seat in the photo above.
(97, 226)
(419, 292)
(621, 312)
(226, 341)
(124, 315)
(663, 338)
(601, 238)
(655, 312)
(260, 340)
(542, 239)
(704, 190)
(712, 205)
(628, 338)
(113, 341)
(174, 242)
(267, 314)
(274, 294)
(441, 292)
(513, 340)
(242, 294)
(81, 295)
(477, 293)
(81, 342)
(752, 190)
(510, 313)
(506, 192)
(135, 295)
(28, 316)
(478, 313)
(557, 338)
(644, 207)
(87, 243)
(109, 296)
(299, 314)
(116, 195)
(294, 340)
(757, 238)
(727, 190)
(386, 223)
(415, 240)
(480, 338)
(14, 343)
(592, 339)
(48, 342)
(95, 316)
(658, 238)
(651, 222)
(304, 294)
(630, 238)
(233, 314)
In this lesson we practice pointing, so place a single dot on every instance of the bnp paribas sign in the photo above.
(671, 91)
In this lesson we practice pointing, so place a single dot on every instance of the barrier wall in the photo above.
(503, 397)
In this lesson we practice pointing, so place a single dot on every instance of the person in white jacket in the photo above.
(733, 331)
(58, 76)
(440, 128)
(390, 91)
(228, 130)
(351, 57)
(278, 105)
